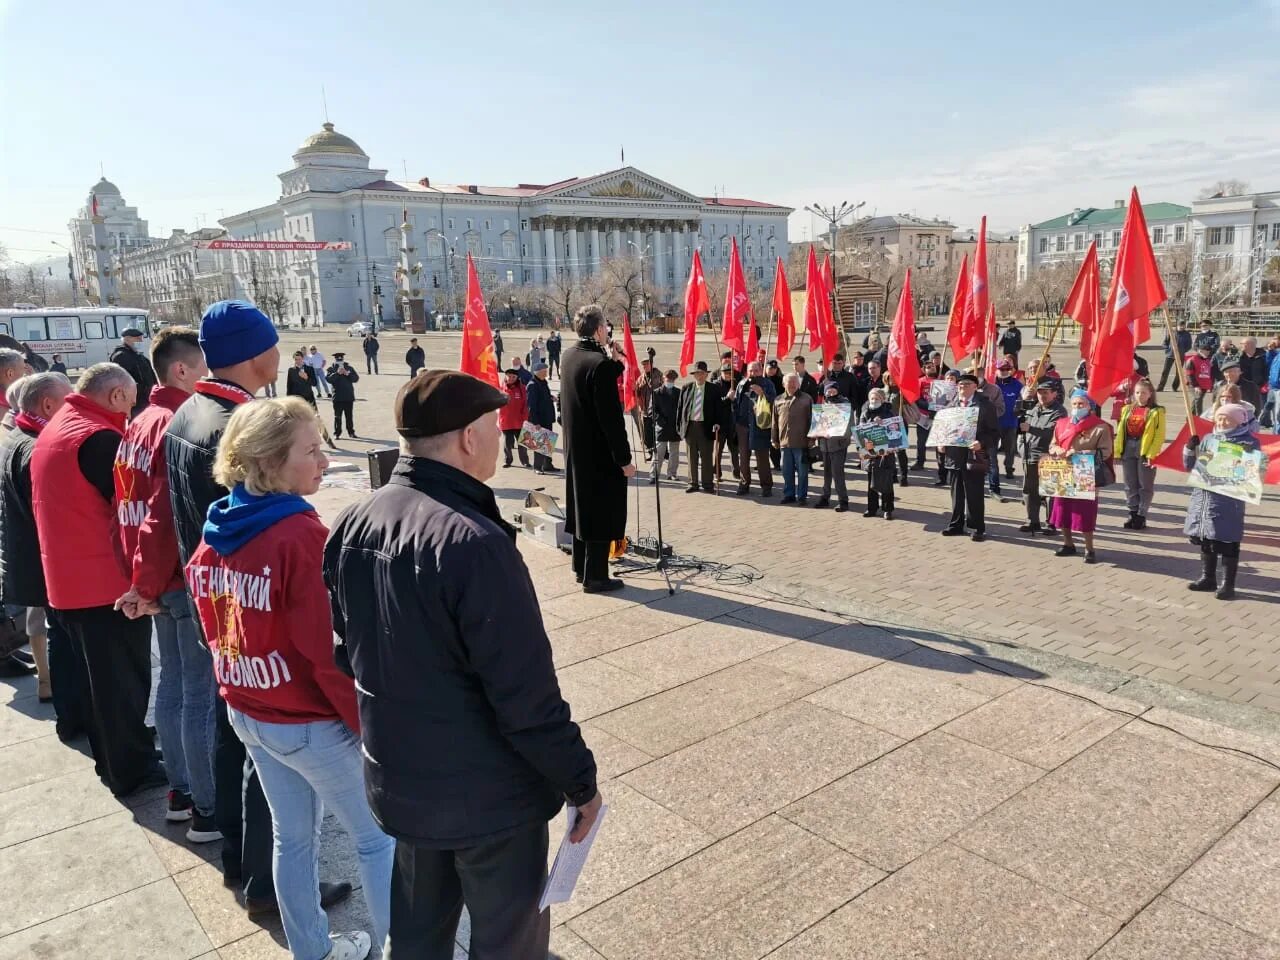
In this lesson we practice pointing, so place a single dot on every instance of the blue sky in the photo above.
(1017, 110)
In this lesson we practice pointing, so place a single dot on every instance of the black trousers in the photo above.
(1008, 446)
(241, 813)
(968, 506)
(69, 678)
(697, 441)
(1169, 361)
(371, 362)
(414, 371)
(553, 363)
(341, 408)
(509, 438)
(117, 657)
(833, 462)
(499, 881)
(876, 501)
(922, 437)
(1031, 494)
(591, 559)
(649, 433)
(726, 438)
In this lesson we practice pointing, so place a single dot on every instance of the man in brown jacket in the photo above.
(791, 435)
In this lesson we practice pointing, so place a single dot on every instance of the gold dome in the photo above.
(329, 141)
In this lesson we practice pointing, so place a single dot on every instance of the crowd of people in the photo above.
(363, 670)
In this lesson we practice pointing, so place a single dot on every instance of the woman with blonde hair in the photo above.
(260, 595)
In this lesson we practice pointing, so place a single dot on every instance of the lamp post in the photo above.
(641, 255)
(71, 271)
(832, 216)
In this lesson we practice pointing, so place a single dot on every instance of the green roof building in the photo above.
(1066, 239)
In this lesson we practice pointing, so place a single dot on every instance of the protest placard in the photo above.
(954, 427)
(1229, 469)
(941, 394)
(1071, 478)
(538, 439)
(829, 419)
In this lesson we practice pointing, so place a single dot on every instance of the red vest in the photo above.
(79, 546)
(1201, 370)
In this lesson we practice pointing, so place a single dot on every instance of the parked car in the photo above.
(359, 329)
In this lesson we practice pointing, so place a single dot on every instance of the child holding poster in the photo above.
(1215, 520)
(881, 468)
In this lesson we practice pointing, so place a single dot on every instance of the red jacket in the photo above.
(76, 523)
(516, 412)
(266, 617)
(143, 510)
(1200, 371)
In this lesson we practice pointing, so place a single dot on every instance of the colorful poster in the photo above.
(1071, 478)
(872, 438)
(941, 394)
(538, 439)
(829, 420)
(1229, 469)
(954, 427)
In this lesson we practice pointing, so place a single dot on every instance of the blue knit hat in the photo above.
(233, 331)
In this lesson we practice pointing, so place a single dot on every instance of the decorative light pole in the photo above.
(832, 216)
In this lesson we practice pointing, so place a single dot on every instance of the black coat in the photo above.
(415, 358)
(960, 458)
(724, 405)
(1253, 369)
(808, 385)
(542, 409)
(297, 383)
(371, 346)
(595, 443)
(1011, 341)
(21, 575)
(851, 388)
(463, 728)
(664, 409)
(343, 384)
(140, 369)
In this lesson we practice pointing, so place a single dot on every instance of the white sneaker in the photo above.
(348, 946)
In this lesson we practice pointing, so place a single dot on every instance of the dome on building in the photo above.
(105, 188)
(329, 140)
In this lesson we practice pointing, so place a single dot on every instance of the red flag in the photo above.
(631, 371)
(696, 303)
(957, 335)
(1171, 457)
(979, 295)
(753, 339)
(1084, 302)
(782, 311)
(736, 301)
(814, 293)
(478, 356)
(830, 335)
(1136, 290)
(904, 361)
(94, 197)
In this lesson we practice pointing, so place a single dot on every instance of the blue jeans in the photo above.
(185, 698)
(1273, 398)
(794, 461)
(304, 766)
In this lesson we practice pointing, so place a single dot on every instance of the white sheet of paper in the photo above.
(570, 859)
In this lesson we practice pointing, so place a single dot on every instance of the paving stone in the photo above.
(218, 908)
(591, 638)
(903, 700)
(1116, 824)
(693, 652)
(567, 945)
(64, 871)
(1167, 930)
(693, 711)
(738, 776)
(962, 670)
(594, 687)
(951, 905)
(51, 805)
(1238, 881)
(900, 806)
(169, 840)
(638, 839)
(741, 897)
(44, 758)
(1037, 725)
(262, 945)
(701, 602)
(838, 653)
(576, 607)
(149, 921)
(25, 719)
(614, 757)
(1193, 731)
(786, 619)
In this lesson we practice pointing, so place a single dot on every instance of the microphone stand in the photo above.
(661, 563)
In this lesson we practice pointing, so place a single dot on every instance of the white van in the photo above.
(83, 336)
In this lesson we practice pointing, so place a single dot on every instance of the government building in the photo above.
(409, 241)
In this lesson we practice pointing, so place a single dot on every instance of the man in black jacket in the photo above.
(542, 412)
(371, 348)
(139, 366)
(664, 414)
(1011, 342)
(726, 433)
(470, 748)
(968, 465)
(342, 378)
(850, 387)
(1037, 419)
(807, 383)
(415, 357)
(239, 344)
(1175, 353)
(698, 422)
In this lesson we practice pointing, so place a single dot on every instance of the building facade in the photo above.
(409, 241)
(910, 241)
(1065, 239)
(1002, 253)
(175, 278)
(1234, 239)
(104, 229)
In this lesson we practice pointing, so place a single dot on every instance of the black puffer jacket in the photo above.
(465, 733)
(21, 575)
(140, 369)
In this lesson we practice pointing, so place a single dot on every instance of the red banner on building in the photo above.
(273, 245)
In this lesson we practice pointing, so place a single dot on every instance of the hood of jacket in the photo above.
(240, 516)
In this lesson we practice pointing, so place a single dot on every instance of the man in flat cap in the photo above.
(597, 457)
(469, 746)
(131, 354)
(968, 465)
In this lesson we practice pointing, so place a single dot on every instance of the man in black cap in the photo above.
(968, 465)
(698, 423)
(342, 379)
(131, 354)
(469, 746)
(1232, 377)
(597, 457)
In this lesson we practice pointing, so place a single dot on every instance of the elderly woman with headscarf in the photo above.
(881, 468)
(1214, 521)
(1081, 431)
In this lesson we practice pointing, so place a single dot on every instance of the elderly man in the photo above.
(73, 493)
(130, 355)
(790, 434)
(649, 380)
(1253, 362)
(13, 367)
(470, 748)
(1232, 377)
(754, 428)
(699, 424)
(968, 465)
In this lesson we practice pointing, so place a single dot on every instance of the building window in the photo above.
(506, 224)
(435, 247)
(1179, 234)
(431, 223)
(470, 223)
(511, 276)
(528, 276)
(1060, 244)
(1079, 242)
(1097, 238)
(1044, 244)
(524, 249)
(1157, 235)
(1228, 234)
(1115, 238)
(1215, 236)
(488, 250)
(864, 313)
(524, 224)
(508, 248)
(451, 223)
(487, 225)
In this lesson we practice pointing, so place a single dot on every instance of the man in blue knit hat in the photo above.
(240, 348)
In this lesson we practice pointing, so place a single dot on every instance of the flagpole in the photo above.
(712, 324)
(1053, 335)
(1182, 372)
(772, 314)
(835, 306)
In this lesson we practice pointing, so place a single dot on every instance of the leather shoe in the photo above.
(978, 536)
(952, 532)
(691, 489)
(331, 894)
(602, 586)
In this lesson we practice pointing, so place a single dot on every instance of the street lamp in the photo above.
(832, 216)
(641, 255)
(71, 271)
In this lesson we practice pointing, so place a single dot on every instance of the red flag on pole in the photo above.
(696, 303)
(1136, 290)
(830, 335)
(736, 301)
(631, 371)
(957, 335)
(94, 204)
(1171, 456)
(904, 361)
(782, 311)
(814, 293)
(1084, 302)
(989, 348)
(753, 338)
(478, 356)
(979, 295)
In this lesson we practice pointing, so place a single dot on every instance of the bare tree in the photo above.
(1225, 188)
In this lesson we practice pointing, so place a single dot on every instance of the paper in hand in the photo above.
(570, 859)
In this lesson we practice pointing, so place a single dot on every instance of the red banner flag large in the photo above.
(782, 311)
(813, 295)
(1084, 302)
(904, 361)
(753, 339)
(979, 295)
(696, 303)
(478, 356)
(631, 371)
(736, 301)
(830, 334)
(1136, 290)
(1171, 457)
(957, 326)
